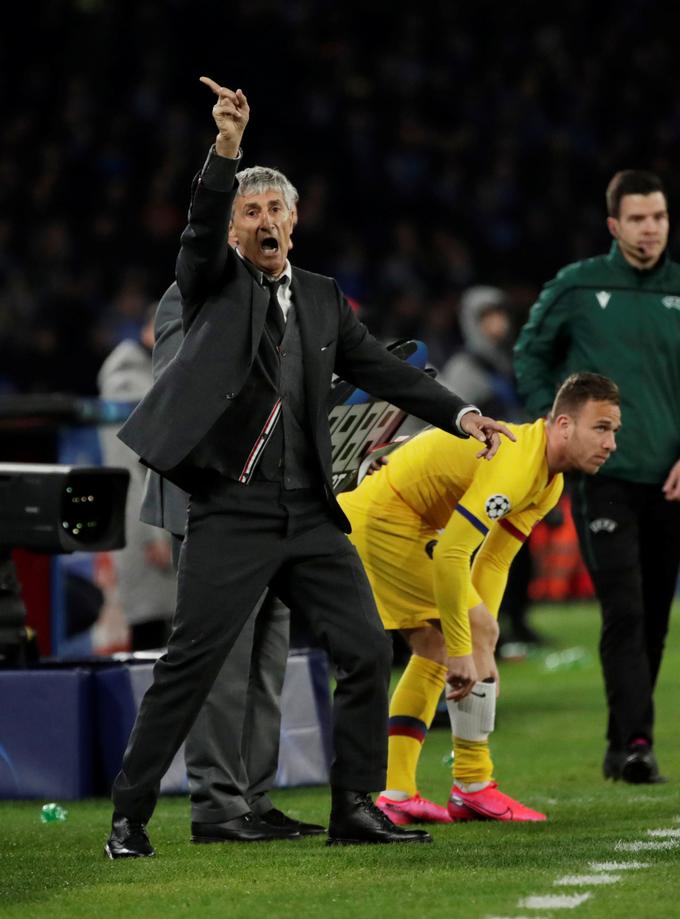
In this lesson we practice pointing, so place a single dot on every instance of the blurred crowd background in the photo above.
(450, 159)
(436, 147)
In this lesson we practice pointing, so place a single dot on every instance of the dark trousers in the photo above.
(630, 539)
(232, 750)
(239, 540)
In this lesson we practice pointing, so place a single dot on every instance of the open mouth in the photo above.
(269, 244)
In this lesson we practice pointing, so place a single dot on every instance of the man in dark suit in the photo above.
(232, 750)
(239, 418)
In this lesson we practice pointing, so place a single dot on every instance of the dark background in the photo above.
(434, 145)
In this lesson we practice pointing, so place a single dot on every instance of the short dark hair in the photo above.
(631, 182)
(580, 388)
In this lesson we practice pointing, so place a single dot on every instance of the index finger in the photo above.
(216, 88)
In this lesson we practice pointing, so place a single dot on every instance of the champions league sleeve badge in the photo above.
(497, 506)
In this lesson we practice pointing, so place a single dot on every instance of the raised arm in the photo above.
(203, 253)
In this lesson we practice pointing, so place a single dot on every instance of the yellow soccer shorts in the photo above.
(391, 540)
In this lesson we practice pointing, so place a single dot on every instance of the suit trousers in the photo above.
(232, 750)
(240, 540)
(630, 539)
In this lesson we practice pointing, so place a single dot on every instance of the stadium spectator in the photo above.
(434, 499)
(145, 578)
(471, 129)
(482, 368)
(619, 314)
(243, 404)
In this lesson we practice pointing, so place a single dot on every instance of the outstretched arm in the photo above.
(361, 360)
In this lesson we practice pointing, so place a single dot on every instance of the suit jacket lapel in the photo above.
(310, 321)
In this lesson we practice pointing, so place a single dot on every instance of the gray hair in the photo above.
(258, 179)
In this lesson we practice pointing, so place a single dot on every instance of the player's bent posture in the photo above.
(416, 523)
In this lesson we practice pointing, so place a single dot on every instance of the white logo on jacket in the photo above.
(497, 506)
(671, 303)
(602, 523)
(603, 298)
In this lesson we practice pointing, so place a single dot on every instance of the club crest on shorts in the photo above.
(497, 506)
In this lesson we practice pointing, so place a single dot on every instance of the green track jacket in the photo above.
(605, 316)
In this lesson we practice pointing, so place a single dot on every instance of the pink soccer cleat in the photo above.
(459, 811)
(413, 810)
(490, 804)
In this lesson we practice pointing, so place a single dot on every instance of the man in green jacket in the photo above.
(619, 315)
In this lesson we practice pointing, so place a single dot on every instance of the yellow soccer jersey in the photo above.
(470, 501)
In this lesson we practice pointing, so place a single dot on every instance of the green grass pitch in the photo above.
(547, 749)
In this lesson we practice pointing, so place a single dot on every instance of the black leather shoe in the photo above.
(128, 839)
(640, 767)
(356, 820)
(275, 817)
(246, 828)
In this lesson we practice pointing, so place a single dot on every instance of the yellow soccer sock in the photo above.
(472, 761)
(412, 709)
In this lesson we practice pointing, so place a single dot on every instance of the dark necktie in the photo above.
(276, 322)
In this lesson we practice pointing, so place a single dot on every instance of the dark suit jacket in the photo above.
(224, 311)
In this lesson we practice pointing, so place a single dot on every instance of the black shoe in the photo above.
(275, 817)
(246, 828)
(640, 766)
(128, 839)
(355, 819)
(612, 763)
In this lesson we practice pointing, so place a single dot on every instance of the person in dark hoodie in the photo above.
(483, 366)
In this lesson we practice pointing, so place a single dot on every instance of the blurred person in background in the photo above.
(619, 314)
(145, 577)
(482, 367)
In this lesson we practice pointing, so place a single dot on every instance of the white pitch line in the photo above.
(645, 846)
(666, 839)
(555, 901)
(617, 866)
(585, 880)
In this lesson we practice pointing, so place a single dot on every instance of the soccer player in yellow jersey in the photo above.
(416, 523)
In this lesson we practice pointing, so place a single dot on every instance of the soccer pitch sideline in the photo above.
(607, 850)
